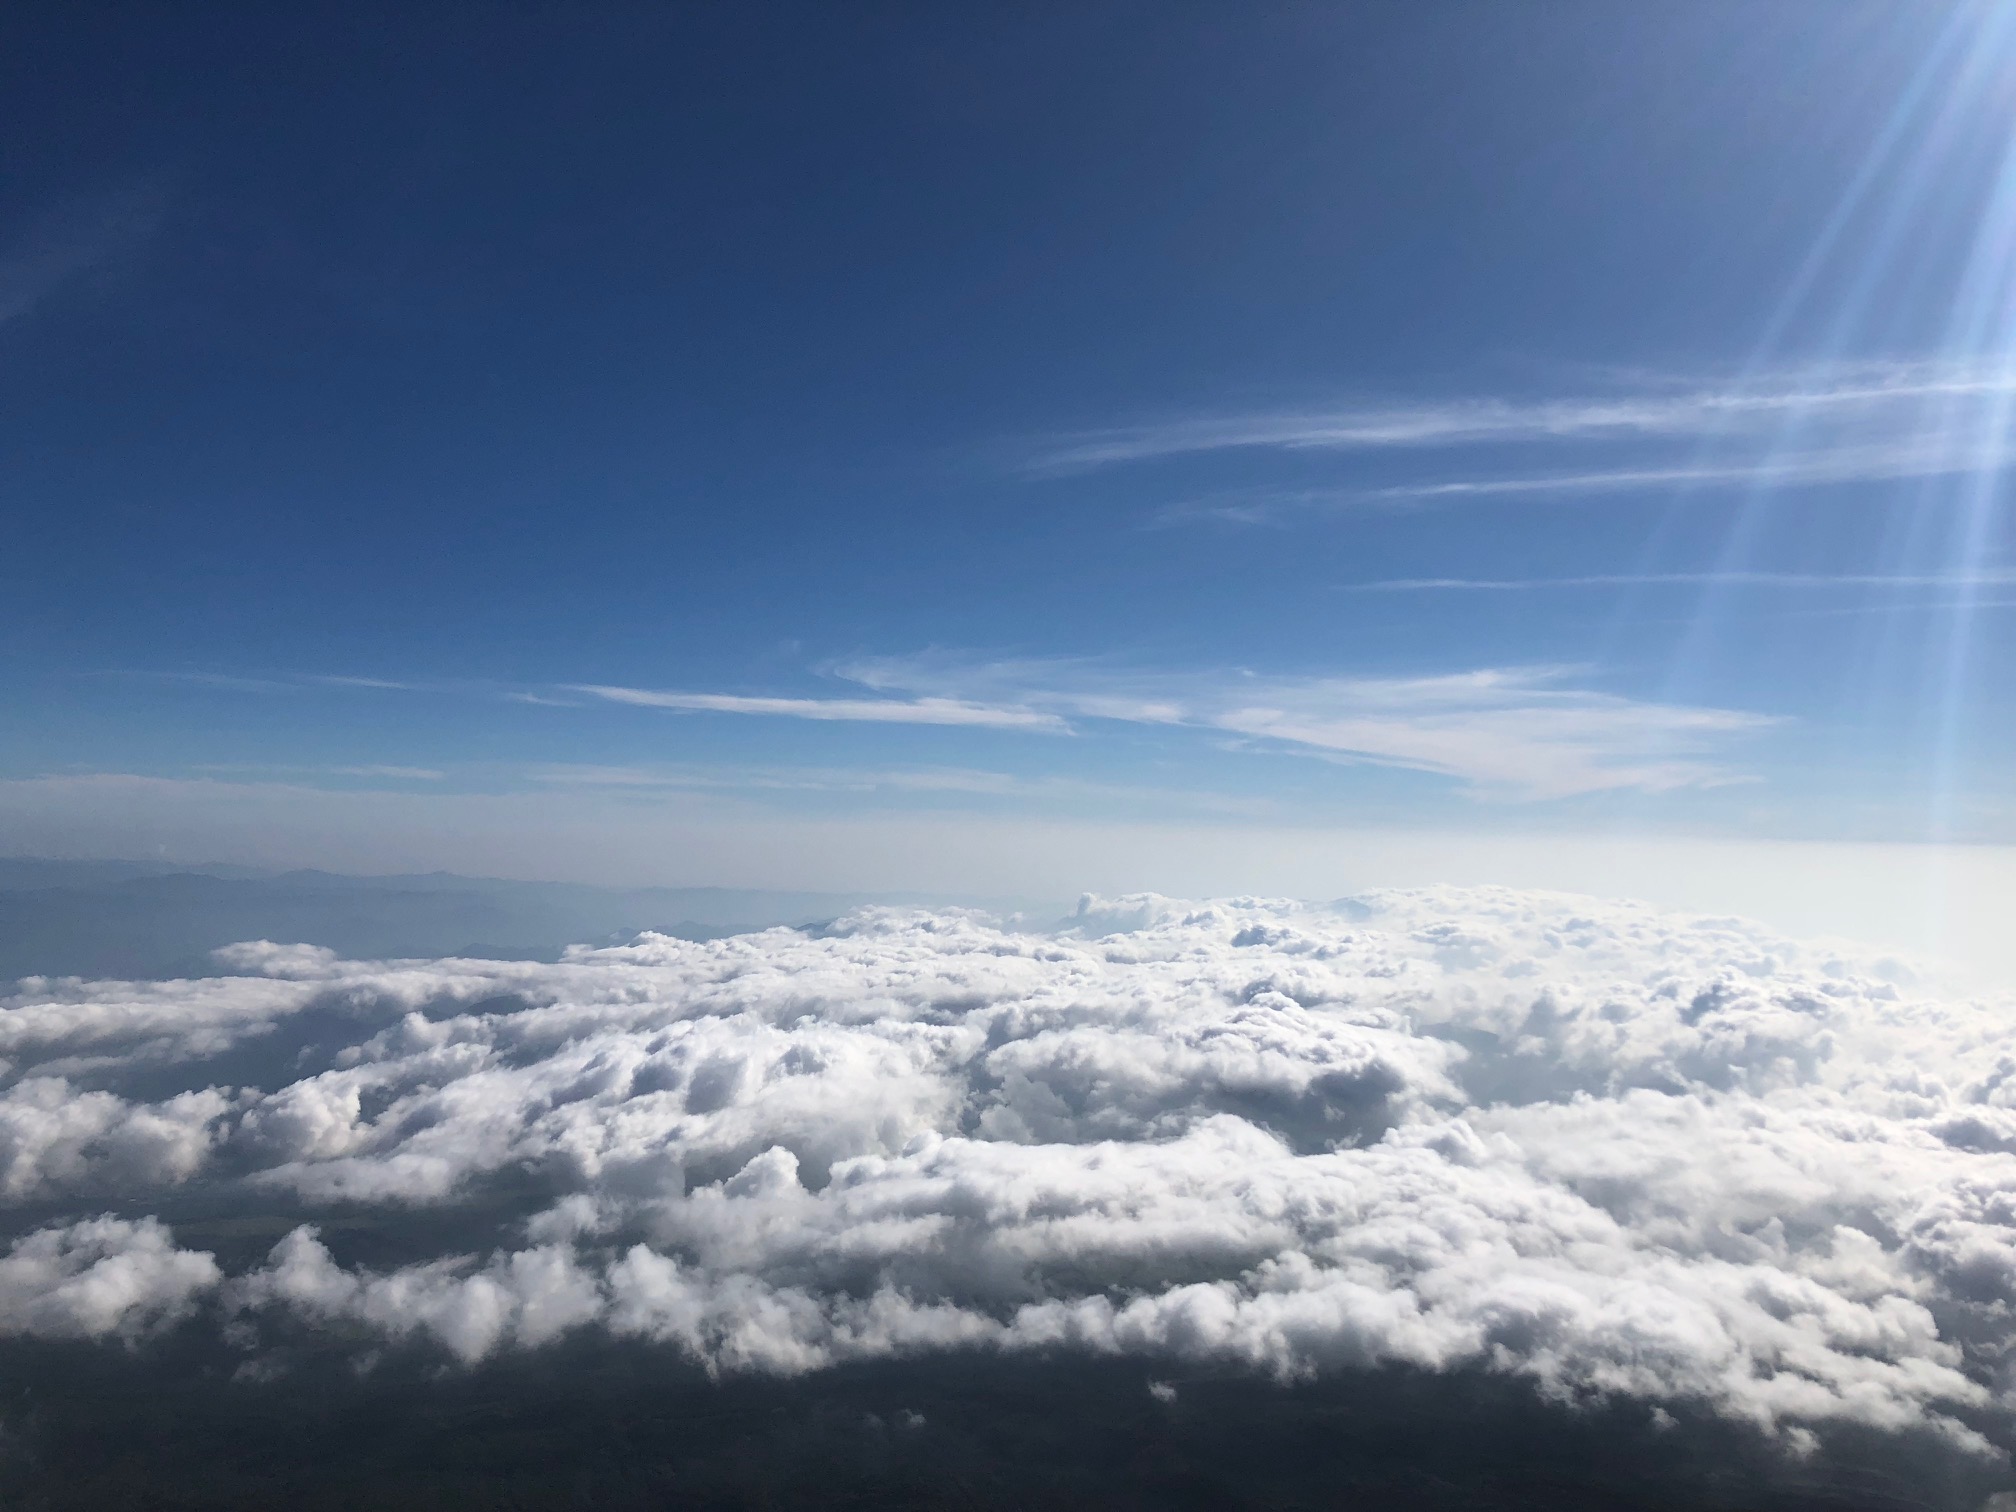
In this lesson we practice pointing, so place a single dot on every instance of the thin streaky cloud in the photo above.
(1855, 393)
(226, 681)
(1251, 506)
(364, 682)
(921, 711)
(1905, 459)
(1911, 581)
(368, 769)
(1518, 732)
(1910, 457)
(1966, 606)
(282, 683)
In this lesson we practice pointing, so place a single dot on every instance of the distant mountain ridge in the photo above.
(145, 919)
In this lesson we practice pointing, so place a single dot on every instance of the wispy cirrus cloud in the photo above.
(1509, 732)
(1521, 732)
(384, 683)
(1900, 582)
(1838, 424)
(1762, 404)
(231, 682)
(226, 682)
(1894, 460)
(374, 771)
(918, 711)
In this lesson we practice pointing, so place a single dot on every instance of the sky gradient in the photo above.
(704, 433)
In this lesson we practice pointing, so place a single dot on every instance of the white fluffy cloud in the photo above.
(99, 1276)
(1604, 1149)
(55, 1138)
(525, 1298)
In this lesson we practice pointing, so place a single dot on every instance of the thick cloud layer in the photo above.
(1612, 1153)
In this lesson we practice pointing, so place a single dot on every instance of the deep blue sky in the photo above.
(1053, 379)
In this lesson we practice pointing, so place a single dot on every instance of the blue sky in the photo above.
(802, 432)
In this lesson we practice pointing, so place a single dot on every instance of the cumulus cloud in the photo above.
(527, 1298)
(53, 1137)
(99, 1276)
(1611, 1153)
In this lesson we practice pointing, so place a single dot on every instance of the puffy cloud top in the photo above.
(1607, 1150)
